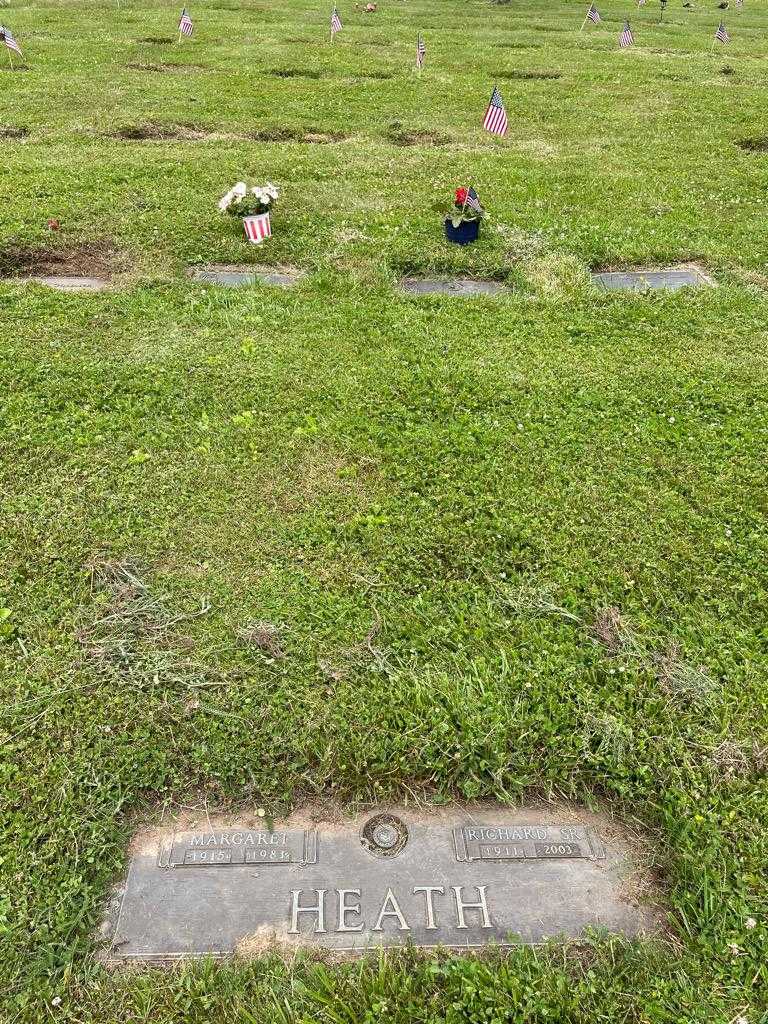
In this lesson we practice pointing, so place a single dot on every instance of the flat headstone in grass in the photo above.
(229, 276)
(458, 878)
(463, 287)
(69, 284)
(670, 280)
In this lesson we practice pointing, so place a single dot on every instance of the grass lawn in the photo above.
(511, 548)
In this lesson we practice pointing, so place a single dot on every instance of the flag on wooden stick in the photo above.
(592, 15)
(6, 36)
(495, 120)
(186, 28)
(421, 52)
(336, 25)
(626, 38)
(721, 35)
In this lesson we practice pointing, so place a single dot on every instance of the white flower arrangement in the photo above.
(245, 201)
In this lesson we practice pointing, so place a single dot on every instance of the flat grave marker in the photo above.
(463, 287)
(454, 878)
(66, 284)
(671, 279)
(231, 276)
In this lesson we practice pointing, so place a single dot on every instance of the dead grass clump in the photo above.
(263, 635)
(609, 630)
(730, 760)
(607, 736)
(531, 598)
(84, 259)
(133, 631)
(689, 684)
(13, 132)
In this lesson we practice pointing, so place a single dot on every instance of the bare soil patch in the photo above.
(13, 131)
(308, 135)
(526, 76)
(415, 136)
(165, 68)
(756, 145)
(162, 133)
(100, 259)
(294, 73)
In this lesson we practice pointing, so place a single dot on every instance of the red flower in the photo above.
(461, 196)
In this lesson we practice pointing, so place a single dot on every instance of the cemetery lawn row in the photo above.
(263, 547)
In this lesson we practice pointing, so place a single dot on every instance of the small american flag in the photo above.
(495, 120)
(626, 38)
(6, 36)
(185, 23)
(472, 200)
(593, 14)
(421, 52)
(336, 25)
(722, 35)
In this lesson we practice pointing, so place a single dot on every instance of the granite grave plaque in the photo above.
(464, 287)
(242, 276)
(442, 878)
(670, 280)
(70, 284)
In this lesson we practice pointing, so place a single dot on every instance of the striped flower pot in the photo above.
(257, 228)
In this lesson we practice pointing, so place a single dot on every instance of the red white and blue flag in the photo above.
(722, 35)
(626, 38)
(495, 120)
(186, 27)
(472, 200)
(6, 36)
(336, 25)
(593, 14)
(421, 52)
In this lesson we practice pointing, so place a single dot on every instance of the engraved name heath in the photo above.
(341, 910)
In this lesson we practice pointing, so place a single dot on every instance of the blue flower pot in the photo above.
(466, 232)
